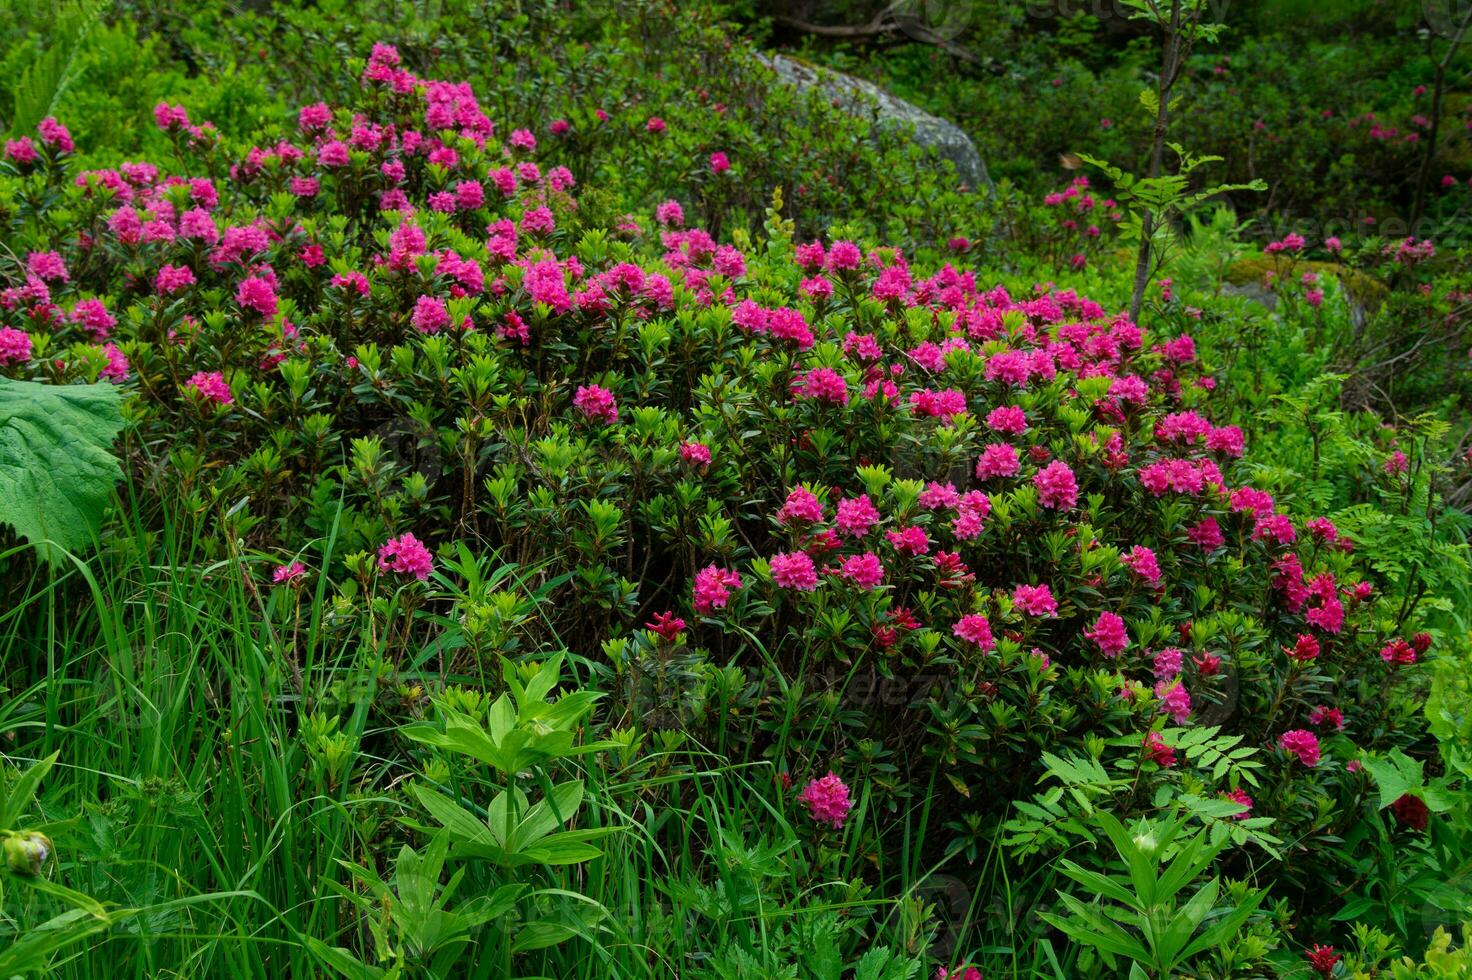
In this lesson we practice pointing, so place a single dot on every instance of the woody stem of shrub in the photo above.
(1423, 176)
(1283, 689)
(1177, 48)
(1157, 146)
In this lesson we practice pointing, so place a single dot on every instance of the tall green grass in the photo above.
(180, 694)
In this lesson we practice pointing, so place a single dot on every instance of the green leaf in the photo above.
(879, 963)
(32, 952)
(462, 825)
(571, 847)
(560, 806)
(57, 469)
(1395, 776)
(1222, 931)
(24, 790)
(342, 961)
(540, 935)
(1096, 882)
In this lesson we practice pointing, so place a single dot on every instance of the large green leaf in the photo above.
(57, 468)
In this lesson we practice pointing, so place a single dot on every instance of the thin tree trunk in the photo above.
(1168, 70)
(1423, 177)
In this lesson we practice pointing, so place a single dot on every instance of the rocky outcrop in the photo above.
(861, 97)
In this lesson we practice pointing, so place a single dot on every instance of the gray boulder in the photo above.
(865, 98)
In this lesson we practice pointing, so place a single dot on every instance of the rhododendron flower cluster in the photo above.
(406, 555)
(1025, 500)
(794, 571)
(596, 402)
(975, 629)
(1035, 600)
(15, 346)
(864, 570)
(1109, 634)
(211, 386)
(1302, 744)
(713, 588)
(287, 573)
(827, 800)
(1057, 487)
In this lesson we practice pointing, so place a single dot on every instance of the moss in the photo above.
(1365, 290)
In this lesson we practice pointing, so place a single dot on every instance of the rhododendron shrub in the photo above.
(920, 515)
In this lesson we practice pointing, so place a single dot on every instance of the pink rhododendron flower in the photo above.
(1206, 535)
(1007, 419)
(55, 135)
(1323, 715)
(696, 454)
(93, 317)
(1301, 743)
(1035, 600)
(172, 278)
(315, 116)
(801, 506)
(407, 556)
(827, 800)
(47, 266)
(22, 150)
(856, 515)
(969, 973)
(431, 314)
(1056, 486)
(1166, 663)
(117, 364)
(825, 385)
(1304, 649)
(976, 629)
(939, 404)
(1323, 529)
(1175, 700)
(998, 459)
(1141, 560)
(864, 570)
(211, 386)
(666, 625)
(596, 403)
(15, 346)
(333, 154)
(816, 287)
(1398, 653)
(286, 573)
(713, 588)
(1240, 797)
(1322, 960)
(257, 294)
(1160, 753)
(909, 540)
(1109, 634)
(844, 256)
(795, 571)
